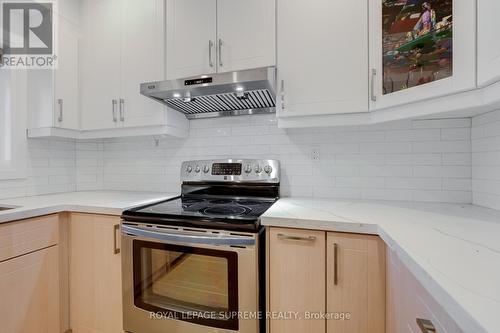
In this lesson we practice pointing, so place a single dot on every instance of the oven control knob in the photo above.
(189, 169)
(248, 168)
(206, 169)
(268, 169)
(257, 168)
(197, 169)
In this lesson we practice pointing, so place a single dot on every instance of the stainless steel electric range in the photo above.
(195, 263)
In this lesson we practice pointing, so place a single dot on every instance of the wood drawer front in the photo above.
(29, 293)
(21, 237)
(408, 300)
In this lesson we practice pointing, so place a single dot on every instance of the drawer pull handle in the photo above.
(116, 228)
(426, 326)
(336, 264)
(297, 238)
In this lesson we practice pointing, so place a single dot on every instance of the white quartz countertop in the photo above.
(97, 202)
(453, 250)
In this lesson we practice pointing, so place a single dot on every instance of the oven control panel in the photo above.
(231, 170)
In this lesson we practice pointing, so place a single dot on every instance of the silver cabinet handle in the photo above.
(283, 95)
(297, 238)
(182, 237)
(60, 103)
(116, 228)
(122, 109)
(426, 326)
(210, 53)
(220, 52)
(336, 264)
(113, 108)
(373, 96)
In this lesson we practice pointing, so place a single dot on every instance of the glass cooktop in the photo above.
(207, 212)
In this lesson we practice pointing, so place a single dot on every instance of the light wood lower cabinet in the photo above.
(297, 278)
(408, 301)
(29, 293)
(95, 274)
(334, 282)
(355, 283)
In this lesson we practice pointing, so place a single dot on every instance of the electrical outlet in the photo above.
(315, 155)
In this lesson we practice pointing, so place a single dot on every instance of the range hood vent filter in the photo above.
(258, 101)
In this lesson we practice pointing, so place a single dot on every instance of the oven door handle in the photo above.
(180, 237)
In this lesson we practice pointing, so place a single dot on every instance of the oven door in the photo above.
(177, 280)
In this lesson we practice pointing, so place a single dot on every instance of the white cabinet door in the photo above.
(191, 37)
(246, 32)
(66, 109)
(488, 43)
(418, 53)
(100, 63)
(322, 57)
(142, 60)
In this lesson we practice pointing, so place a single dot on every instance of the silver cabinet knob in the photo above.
(206, 169)
(248, 168)
(189, 169)
(268, 169)
(197, 169)
(257, 168)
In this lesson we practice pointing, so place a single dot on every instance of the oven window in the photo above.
(187, 283)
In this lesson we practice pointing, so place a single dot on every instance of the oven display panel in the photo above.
(224, 169)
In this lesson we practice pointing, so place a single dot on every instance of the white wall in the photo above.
(51, 169)
(486, 159)
(428, 160)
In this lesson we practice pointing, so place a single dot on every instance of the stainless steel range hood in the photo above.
(216, 95)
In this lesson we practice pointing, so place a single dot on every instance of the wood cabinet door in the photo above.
(191, 37)
(322, 57)
(355, 283)
(419, 53)
(246, 34)
(488, 44)
(142, 60)
(297, 279)
(100, 63)
(29, 293)
(95, 274)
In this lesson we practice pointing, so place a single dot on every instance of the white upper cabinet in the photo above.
(123, 46)
(421, 50)
(210, 36)
(142, 60)
(66, 113)
(322, 57)
(488, 42)
(53, 94)
(100, 63)
(191, 38)
(246, 32)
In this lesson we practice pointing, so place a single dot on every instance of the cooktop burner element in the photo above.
(224, 211)
(222, 194)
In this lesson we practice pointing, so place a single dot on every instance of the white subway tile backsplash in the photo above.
(381, 161)
(486, 160)
(424, 160)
